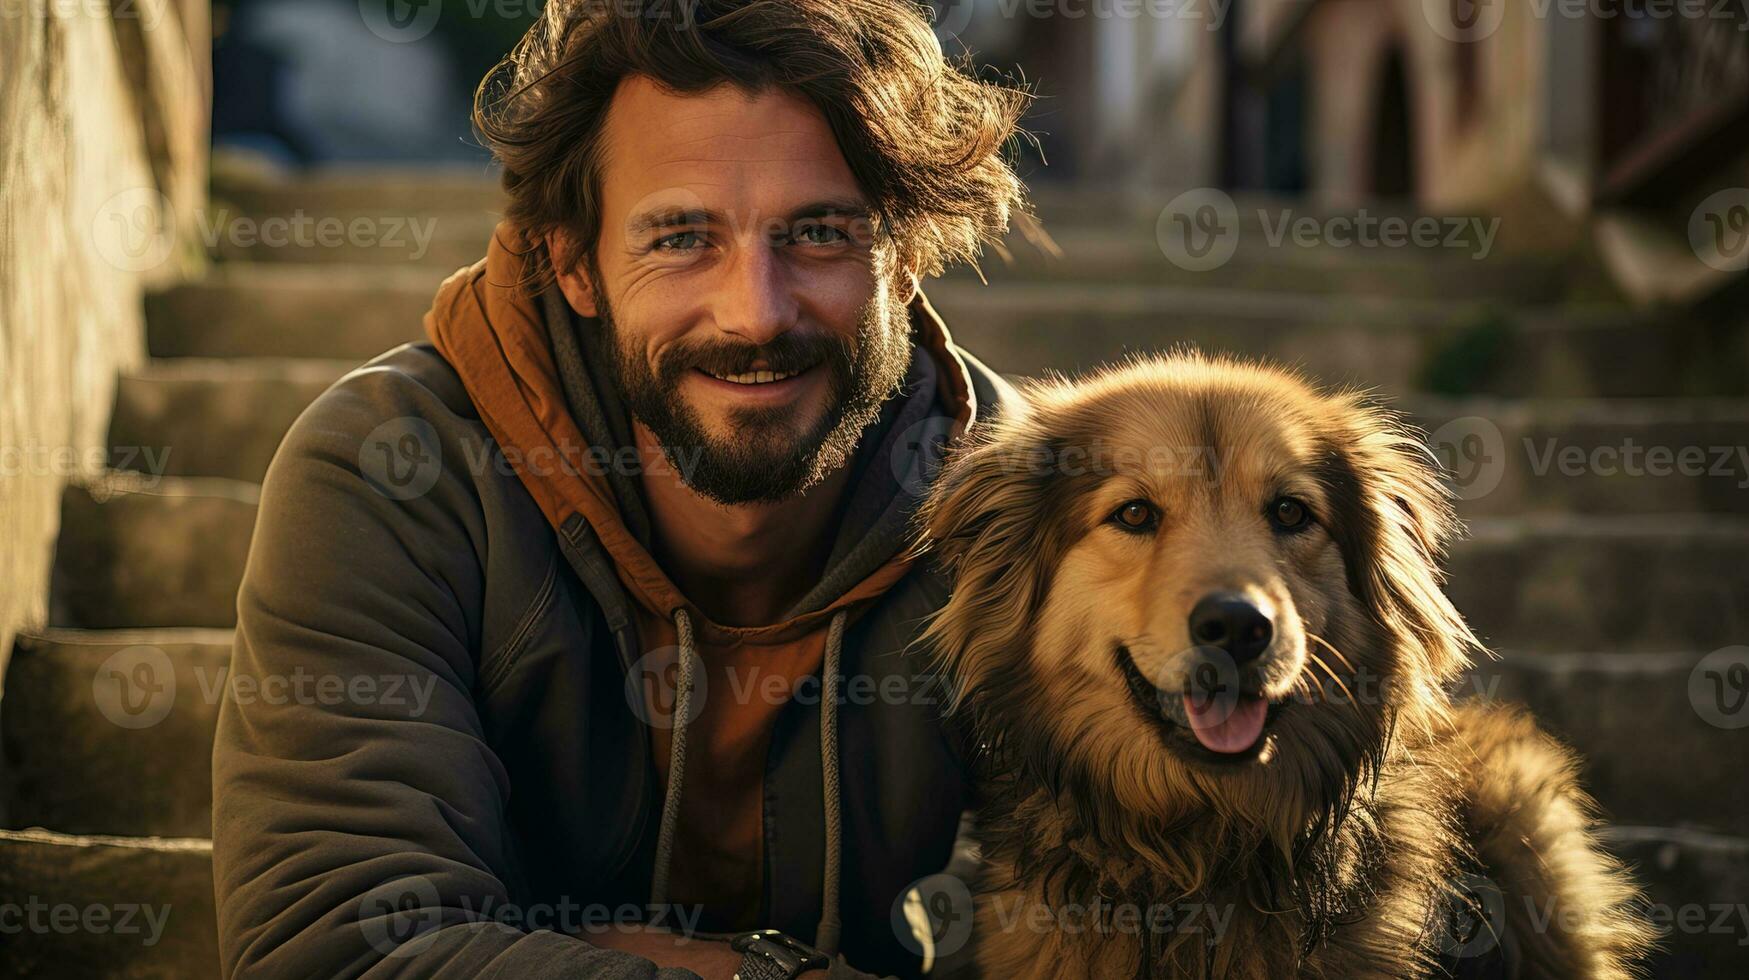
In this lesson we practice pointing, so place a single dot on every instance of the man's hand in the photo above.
(711, 959)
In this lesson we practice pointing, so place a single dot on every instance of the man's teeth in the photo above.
(754, 377)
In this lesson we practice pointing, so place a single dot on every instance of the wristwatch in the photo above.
(767, 954)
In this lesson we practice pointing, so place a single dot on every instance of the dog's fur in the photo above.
(1373, 804)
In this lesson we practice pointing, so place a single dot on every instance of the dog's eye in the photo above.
(1135, 516)
(1288, 514)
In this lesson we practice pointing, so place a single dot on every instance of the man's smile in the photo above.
(757, 387)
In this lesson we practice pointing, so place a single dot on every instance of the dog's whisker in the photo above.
(1339, 655)
(1314, 658)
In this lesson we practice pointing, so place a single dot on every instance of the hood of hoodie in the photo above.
(541, 396)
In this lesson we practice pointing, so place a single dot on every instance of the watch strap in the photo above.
(767, 954)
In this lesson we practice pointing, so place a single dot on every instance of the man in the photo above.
(566, 582)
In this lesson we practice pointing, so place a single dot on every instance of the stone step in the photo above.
(1659, 745)
(1698, 885)
(1595, 456)
(424, 188)
(471, 192)
(138, 551)
(210, 416)
(225, 417)
(1551, 581)
(113, 894)
(260, 310)
(110, 731)
(114, 907)
(1262, 259)
(334, 190)
(142, 706)
(426, 191)
(1398, 346)
(1569, 582)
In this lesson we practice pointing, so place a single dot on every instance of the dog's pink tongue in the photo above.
(1223, 726)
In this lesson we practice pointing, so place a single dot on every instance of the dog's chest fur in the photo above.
(1074, 892)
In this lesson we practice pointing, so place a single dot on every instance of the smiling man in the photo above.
(635, 517)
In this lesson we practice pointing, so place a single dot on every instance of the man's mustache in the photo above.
(786, 354)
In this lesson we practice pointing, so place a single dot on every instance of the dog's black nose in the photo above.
(1232, 622)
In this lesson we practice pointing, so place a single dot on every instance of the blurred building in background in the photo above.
(1605, 121)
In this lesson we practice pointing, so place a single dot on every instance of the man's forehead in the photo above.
(770, 149)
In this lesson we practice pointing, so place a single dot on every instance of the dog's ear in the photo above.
(984, 520)
(1393, 522)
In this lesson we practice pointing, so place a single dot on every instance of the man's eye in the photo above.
(820, 235)
(680, 241)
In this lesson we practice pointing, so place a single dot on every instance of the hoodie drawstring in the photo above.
(826, 933)
(676, 762)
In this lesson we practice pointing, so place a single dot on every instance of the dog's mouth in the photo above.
(1216, 723)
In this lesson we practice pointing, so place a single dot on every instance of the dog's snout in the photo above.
(1233, 623)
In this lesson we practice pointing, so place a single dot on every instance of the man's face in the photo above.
(753, 318)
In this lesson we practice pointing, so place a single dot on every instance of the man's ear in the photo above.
(579, 292)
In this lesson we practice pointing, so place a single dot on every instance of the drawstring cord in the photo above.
(827, 933)
(676, 763)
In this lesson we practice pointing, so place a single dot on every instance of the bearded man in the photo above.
(632, 523)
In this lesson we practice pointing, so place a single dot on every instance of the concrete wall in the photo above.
(103, 124)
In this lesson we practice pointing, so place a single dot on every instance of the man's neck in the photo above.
(742, 564)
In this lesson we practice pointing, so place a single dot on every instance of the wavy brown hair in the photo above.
(930, 143)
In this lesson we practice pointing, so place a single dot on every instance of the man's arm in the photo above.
(358, 812)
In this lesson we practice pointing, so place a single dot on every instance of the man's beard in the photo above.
(761, 457)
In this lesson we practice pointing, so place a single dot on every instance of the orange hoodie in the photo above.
(491, 330)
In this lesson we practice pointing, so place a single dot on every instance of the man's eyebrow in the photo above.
(844, 207)
(670, 217)
(682, 217)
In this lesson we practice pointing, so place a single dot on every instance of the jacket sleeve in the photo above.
(358, 811)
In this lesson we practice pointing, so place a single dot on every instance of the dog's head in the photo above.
(1196, 583)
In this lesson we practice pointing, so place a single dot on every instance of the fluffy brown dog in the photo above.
(1198, 624)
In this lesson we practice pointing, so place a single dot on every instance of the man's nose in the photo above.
(754, 300)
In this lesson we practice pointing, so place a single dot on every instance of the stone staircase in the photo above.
(1613, 600)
